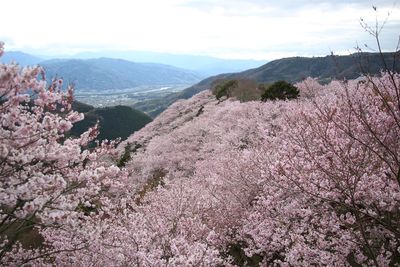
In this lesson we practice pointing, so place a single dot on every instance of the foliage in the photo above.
(280, 90)
(225, 88)
(241, 89)
(126, 156)
(81, 107)
(114, 122)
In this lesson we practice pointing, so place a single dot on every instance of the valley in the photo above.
(128, 96)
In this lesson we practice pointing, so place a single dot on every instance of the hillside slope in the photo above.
(268, 183)
(292, 69)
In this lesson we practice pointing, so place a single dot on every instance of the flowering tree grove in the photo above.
(310, 181)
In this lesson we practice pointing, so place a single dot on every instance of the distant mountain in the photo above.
(21, 58)
(290, 69)
(107, 73)
(204, 64)
(115, 122)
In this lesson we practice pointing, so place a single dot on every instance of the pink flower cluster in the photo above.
(47, 180)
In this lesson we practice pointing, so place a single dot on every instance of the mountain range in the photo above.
(205, 65)
(107, 73)
(101, 74)
(291, 69)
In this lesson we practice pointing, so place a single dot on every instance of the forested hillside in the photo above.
(114, 122)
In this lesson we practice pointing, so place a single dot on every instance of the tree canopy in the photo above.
(281, 90)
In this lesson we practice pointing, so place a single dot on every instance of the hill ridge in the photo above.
(291, 69)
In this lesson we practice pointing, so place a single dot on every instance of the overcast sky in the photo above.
(248, 29)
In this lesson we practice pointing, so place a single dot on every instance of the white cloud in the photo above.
(236, 28)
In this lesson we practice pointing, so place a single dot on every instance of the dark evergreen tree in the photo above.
(280, 90)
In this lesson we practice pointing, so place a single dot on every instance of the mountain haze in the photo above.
(21, 58)
(204, 64)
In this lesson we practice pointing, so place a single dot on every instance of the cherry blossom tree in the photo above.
(48, 181)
